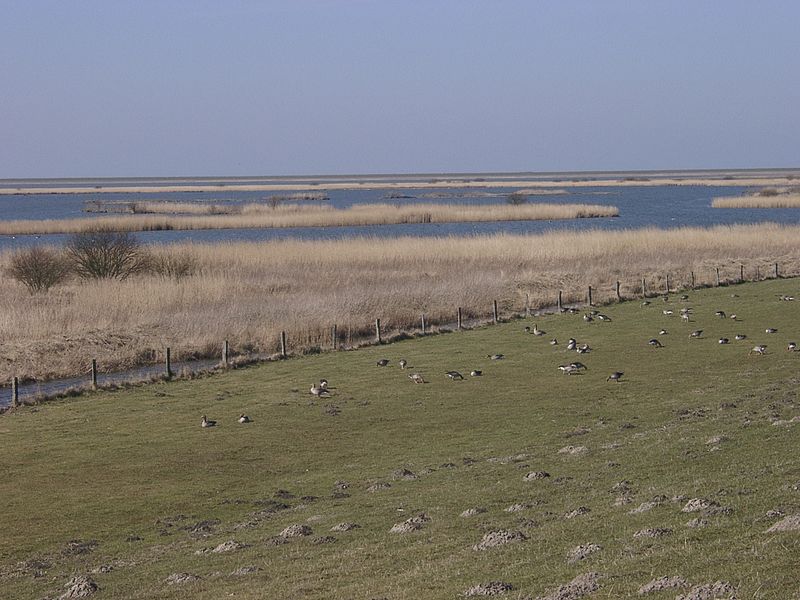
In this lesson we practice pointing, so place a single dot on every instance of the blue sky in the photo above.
(194, 87)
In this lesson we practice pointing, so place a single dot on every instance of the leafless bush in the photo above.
(38, 268)
(767, 192)
(106, 254)
(517, 198)
(173, 265)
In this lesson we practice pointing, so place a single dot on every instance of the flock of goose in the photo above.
(322, 388)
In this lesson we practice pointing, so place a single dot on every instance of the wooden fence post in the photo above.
(168, 363)
(527, 304)
(560, 304)
(494, 311)
(741, 273)
(458, 318)
(14, 392)
(283, 344)
(776, 271)
(590, 296)
(717, 271)
(94, 373)
(692, 275)
(616, 289)
(225, 353)
(334, 338)
(666, 284)
(378, 331)
(422, 321)
(758, 273)
(644, 288)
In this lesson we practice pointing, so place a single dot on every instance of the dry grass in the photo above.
(295, 215)
(758, 201)
(249, 292)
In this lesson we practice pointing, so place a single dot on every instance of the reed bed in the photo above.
(248, 293)
(261, 216)
(758, 201)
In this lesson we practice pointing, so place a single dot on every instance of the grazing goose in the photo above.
(760, 349)
(667, 312)
(536, 330)
(475, 373)
(655, 343)
(684, 298)
(496, 356)
(770, 330)
(454, 375)
(605, 318)
(206, 423)
(615, 376)
(403, 363)
(696, 333)
(733, 317)
(416, 378)
(662, 332)
(646, 303)
(572, 344)
(554, 342)
(588, 318)
(579, 365)
(720, 314)
(786, 298)
(584, 349)
(569, 369)
(791, 347)
(243, 418)
(319, 391)
(739, 337)
(724, 340)
(686, 316)
(382, 362)
(323, 383)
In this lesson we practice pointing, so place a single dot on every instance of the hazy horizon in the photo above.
(329, 88)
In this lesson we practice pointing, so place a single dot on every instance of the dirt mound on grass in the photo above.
(345, 526)
(492, 588)
(577, 588)
(574, 450)
(77, 547)
(296, 531)
(181, 578)
(377, 487)
(653, 532)
(581, 510)
(404, 475)
(409, 525)
(242, 571)
(536, 475)
(718, 590)
(471, 512)
(790, 523)
(697, 523)
(582, 552)
(79, 586)
(663, 583)
(698, 504)
(229, 546)
(499, 538)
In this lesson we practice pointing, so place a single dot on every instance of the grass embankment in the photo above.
(249, 293)
(758, 201)
(257, 216)
(128, 488)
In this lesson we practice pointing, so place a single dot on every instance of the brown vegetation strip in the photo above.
(778, 201)
(249, 292)
(260, 216)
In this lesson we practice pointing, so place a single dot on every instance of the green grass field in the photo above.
(127, 488)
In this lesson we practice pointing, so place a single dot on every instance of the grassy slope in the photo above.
(111, 465)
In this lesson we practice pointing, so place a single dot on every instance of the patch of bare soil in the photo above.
(404, 474)
(323, 539)
(409, 525)
(181, 578)
(577, 588)
(581, 552)
(345, 526)
(643, 507)
(471, 512)
(663, 583)
(242, 571)
(381, 485)
(492, 588)
(790, 523)
(719, 590)
(77, 547)
(228, 546)
(516, 508)
(499, 538)
(574, 450)
(697, 523)
(296, 530)
(698, 504)
(79, 586)
(536, 476)
(581, 510)
(653, 532)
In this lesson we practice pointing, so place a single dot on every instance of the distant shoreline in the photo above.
(471, 183)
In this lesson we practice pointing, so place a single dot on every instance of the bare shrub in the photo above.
(173, 265)
(38, 268)
(106, 254)
(517, 198)
(768, 192)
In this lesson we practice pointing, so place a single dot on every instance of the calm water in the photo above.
(658, 206)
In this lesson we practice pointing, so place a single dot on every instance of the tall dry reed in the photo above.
(248, 292)
(261, 216)
(778, 201)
